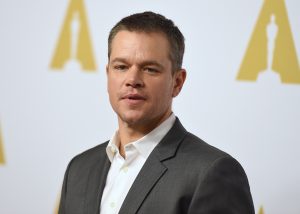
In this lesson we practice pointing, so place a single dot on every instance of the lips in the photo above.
(133, 99)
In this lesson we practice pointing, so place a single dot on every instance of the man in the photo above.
(152, 164)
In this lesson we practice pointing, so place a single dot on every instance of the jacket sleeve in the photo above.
(62, 204)
(224, 189)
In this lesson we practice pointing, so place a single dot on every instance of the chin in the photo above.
(131, 118)
(133, 121)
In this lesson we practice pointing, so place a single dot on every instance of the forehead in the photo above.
(145, 43)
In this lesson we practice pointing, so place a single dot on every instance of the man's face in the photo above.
(140, 81)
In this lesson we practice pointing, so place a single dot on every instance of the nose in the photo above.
(134, 78)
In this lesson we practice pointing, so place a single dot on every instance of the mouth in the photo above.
(134, 98)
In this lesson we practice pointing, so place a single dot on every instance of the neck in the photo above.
(131, 132)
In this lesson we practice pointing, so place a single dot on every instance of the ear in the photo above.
(178, 78)
(107, 69)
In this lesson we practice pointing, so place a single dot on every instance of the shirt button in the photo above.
(125, 169)
(112, 204)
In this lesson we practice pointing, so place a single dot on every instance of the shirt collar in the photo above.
(144, 145)
(113, 146)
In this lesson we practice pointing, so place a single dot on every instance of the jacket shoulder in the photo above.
(94, 151)
(198, 149)
(89, 157)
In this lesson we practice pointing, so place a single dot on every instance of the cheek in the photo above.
(112, 83)
(163, 92)
(109, 87)
(112, 89)
(169, 88)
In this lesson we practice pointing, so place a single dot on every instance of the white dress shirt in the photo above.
(123, 172)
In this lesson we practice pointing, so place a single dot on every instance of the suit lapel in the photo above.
(153, 169)
(149, 175)
(96, 183)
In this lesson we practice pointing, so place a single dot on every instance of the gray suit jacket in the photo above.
(182, 175)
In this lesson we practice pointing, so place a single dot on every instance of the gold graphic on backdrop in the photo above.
(261, 210)
(271, 51)
(2, 159)
(74, 47)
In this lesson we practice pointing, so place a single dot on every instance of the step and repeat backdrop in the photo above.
(242, 92)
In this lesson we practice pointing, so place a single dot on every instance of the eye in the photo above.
(151, 70)
(120, 67)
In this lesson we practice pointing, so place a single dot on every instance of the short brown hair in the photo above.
(152, 22)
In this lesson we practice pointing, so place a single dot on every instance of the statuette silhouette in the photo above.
(73, 63)
(271, 32)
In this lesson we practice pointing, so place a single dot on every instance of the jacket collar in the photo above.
(153, 168)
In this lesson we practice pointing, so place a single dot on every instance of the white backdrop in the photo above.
(49, 115)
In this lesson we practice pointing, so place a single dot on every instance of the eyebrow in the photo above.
(143, 63)
(118, 60)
